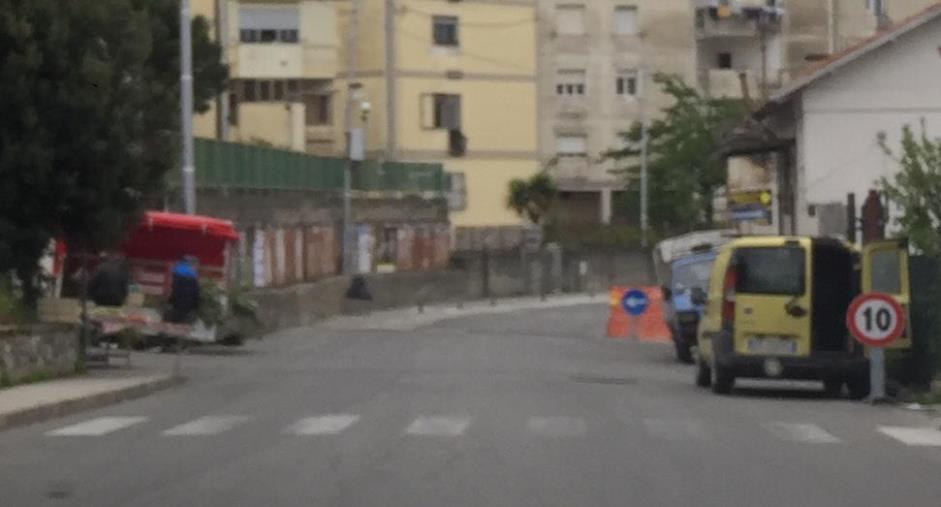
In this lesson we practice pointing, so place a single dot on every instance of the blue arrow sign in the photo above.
(635, 302)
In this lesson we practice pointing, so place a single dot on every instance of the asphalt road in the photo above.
(533, 408)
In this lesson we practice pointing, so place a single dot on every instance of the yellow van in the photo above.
(776, 308)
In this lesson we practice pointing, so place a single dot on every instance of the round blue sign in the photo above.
(635, 302)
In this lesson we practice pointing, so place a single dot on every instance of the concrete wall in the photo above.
(472, 276)
(285, 207)
(304, 305)
(37, 351)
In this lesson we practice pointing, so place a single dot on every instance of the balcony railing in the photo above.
(741, 18)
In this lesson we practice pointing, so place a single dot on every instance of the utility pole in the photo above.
(352, 48)
(831, 27)
(222, 37)
(391, 93)
(186, 108)
(763, 41)
(644, 142)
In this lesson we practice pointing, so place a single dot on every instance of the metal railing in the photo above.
(223, 165)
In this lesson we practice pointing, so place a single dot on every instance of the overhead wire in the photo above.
(405, 8)
(474, 56)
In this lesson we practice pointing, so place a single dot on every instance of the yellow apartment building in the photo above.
(448, 82)
(431, 80)
(283, 58)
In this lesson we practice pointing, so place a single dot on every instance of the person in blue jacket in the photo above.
(184, 292)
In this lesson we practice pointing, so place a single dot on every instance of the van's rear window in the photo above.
(773, 270)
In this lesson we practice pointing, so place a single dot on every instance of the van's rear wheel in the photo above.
(833, 387)
(722, 378)
(703, 374)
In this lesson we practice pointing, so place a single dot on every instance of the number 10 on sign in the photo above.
(876, 320)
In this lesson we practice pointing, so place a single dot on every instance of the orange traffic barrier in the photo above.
(648, 326)
(619, 323)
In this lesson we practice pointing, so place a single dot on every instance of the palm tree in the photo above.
(532, 198)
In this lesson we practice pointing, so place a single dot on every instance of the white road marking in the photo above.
(557, 426)
(97, 427)
(209, 425)
(802, 432)
(913, 436)
(323, 425)
(438, 426)
(675, 429)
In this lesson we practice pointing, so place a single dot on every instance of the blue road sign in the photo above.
(635, 302)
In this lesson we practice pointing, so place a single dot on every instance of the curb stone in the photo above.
(68, 407)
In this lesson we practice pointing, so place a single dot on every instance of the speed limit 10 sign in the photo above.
(875, 319)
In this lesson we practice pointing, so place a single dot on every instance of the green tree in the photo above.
(916, 188)
(532, 198)
(683, 168)
(88, 120)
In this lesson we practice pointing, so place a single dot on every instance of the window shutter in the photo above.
(268, 18)
(625, 20)
(427, 111)
(451, 114)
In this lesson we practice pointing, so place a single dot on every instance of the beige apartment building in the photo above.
(596, 60)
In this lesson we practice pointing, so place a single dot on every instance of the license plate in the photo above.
(772, 346)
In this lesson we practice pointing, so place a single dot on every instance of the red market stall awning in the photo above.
(169, 236)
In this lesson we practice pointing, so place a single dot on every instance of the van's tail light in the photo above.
(728, 296)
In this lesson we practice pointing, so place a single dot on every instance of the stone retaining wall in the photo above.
(29, 353)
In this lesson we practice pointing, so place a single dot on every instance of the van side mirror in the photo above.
(698, 296)
(667, 293)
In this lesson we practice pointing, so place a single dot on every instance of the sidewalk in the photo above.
(30, 403)
(409, 319)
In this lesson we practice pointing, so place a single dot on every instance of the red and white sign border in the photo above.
(862, 299)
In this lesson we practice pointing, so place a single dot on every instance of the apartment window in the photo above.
(877, 7)
(248, 36)
(268, 24)
(249, 90)
(570, 19)
(233, 109)
(725, 60)
(625, 20)
(441, 111)
(318, 109)
(570, 82)
(288, 36)
(444, 31)
(571, 145)
(625, 83)
(264, 91)
(292, 87)
(278, 87)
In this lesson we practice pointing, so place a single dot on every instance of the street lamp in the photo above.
(356, 152)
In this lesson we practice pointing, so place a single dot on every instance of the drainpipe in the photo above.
(831, 26)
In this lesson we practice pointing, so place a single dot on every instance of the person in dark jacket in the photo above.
(109, 282)
(184, 292)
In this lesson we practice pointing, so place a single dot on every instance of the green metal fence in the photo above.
(241, 166)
